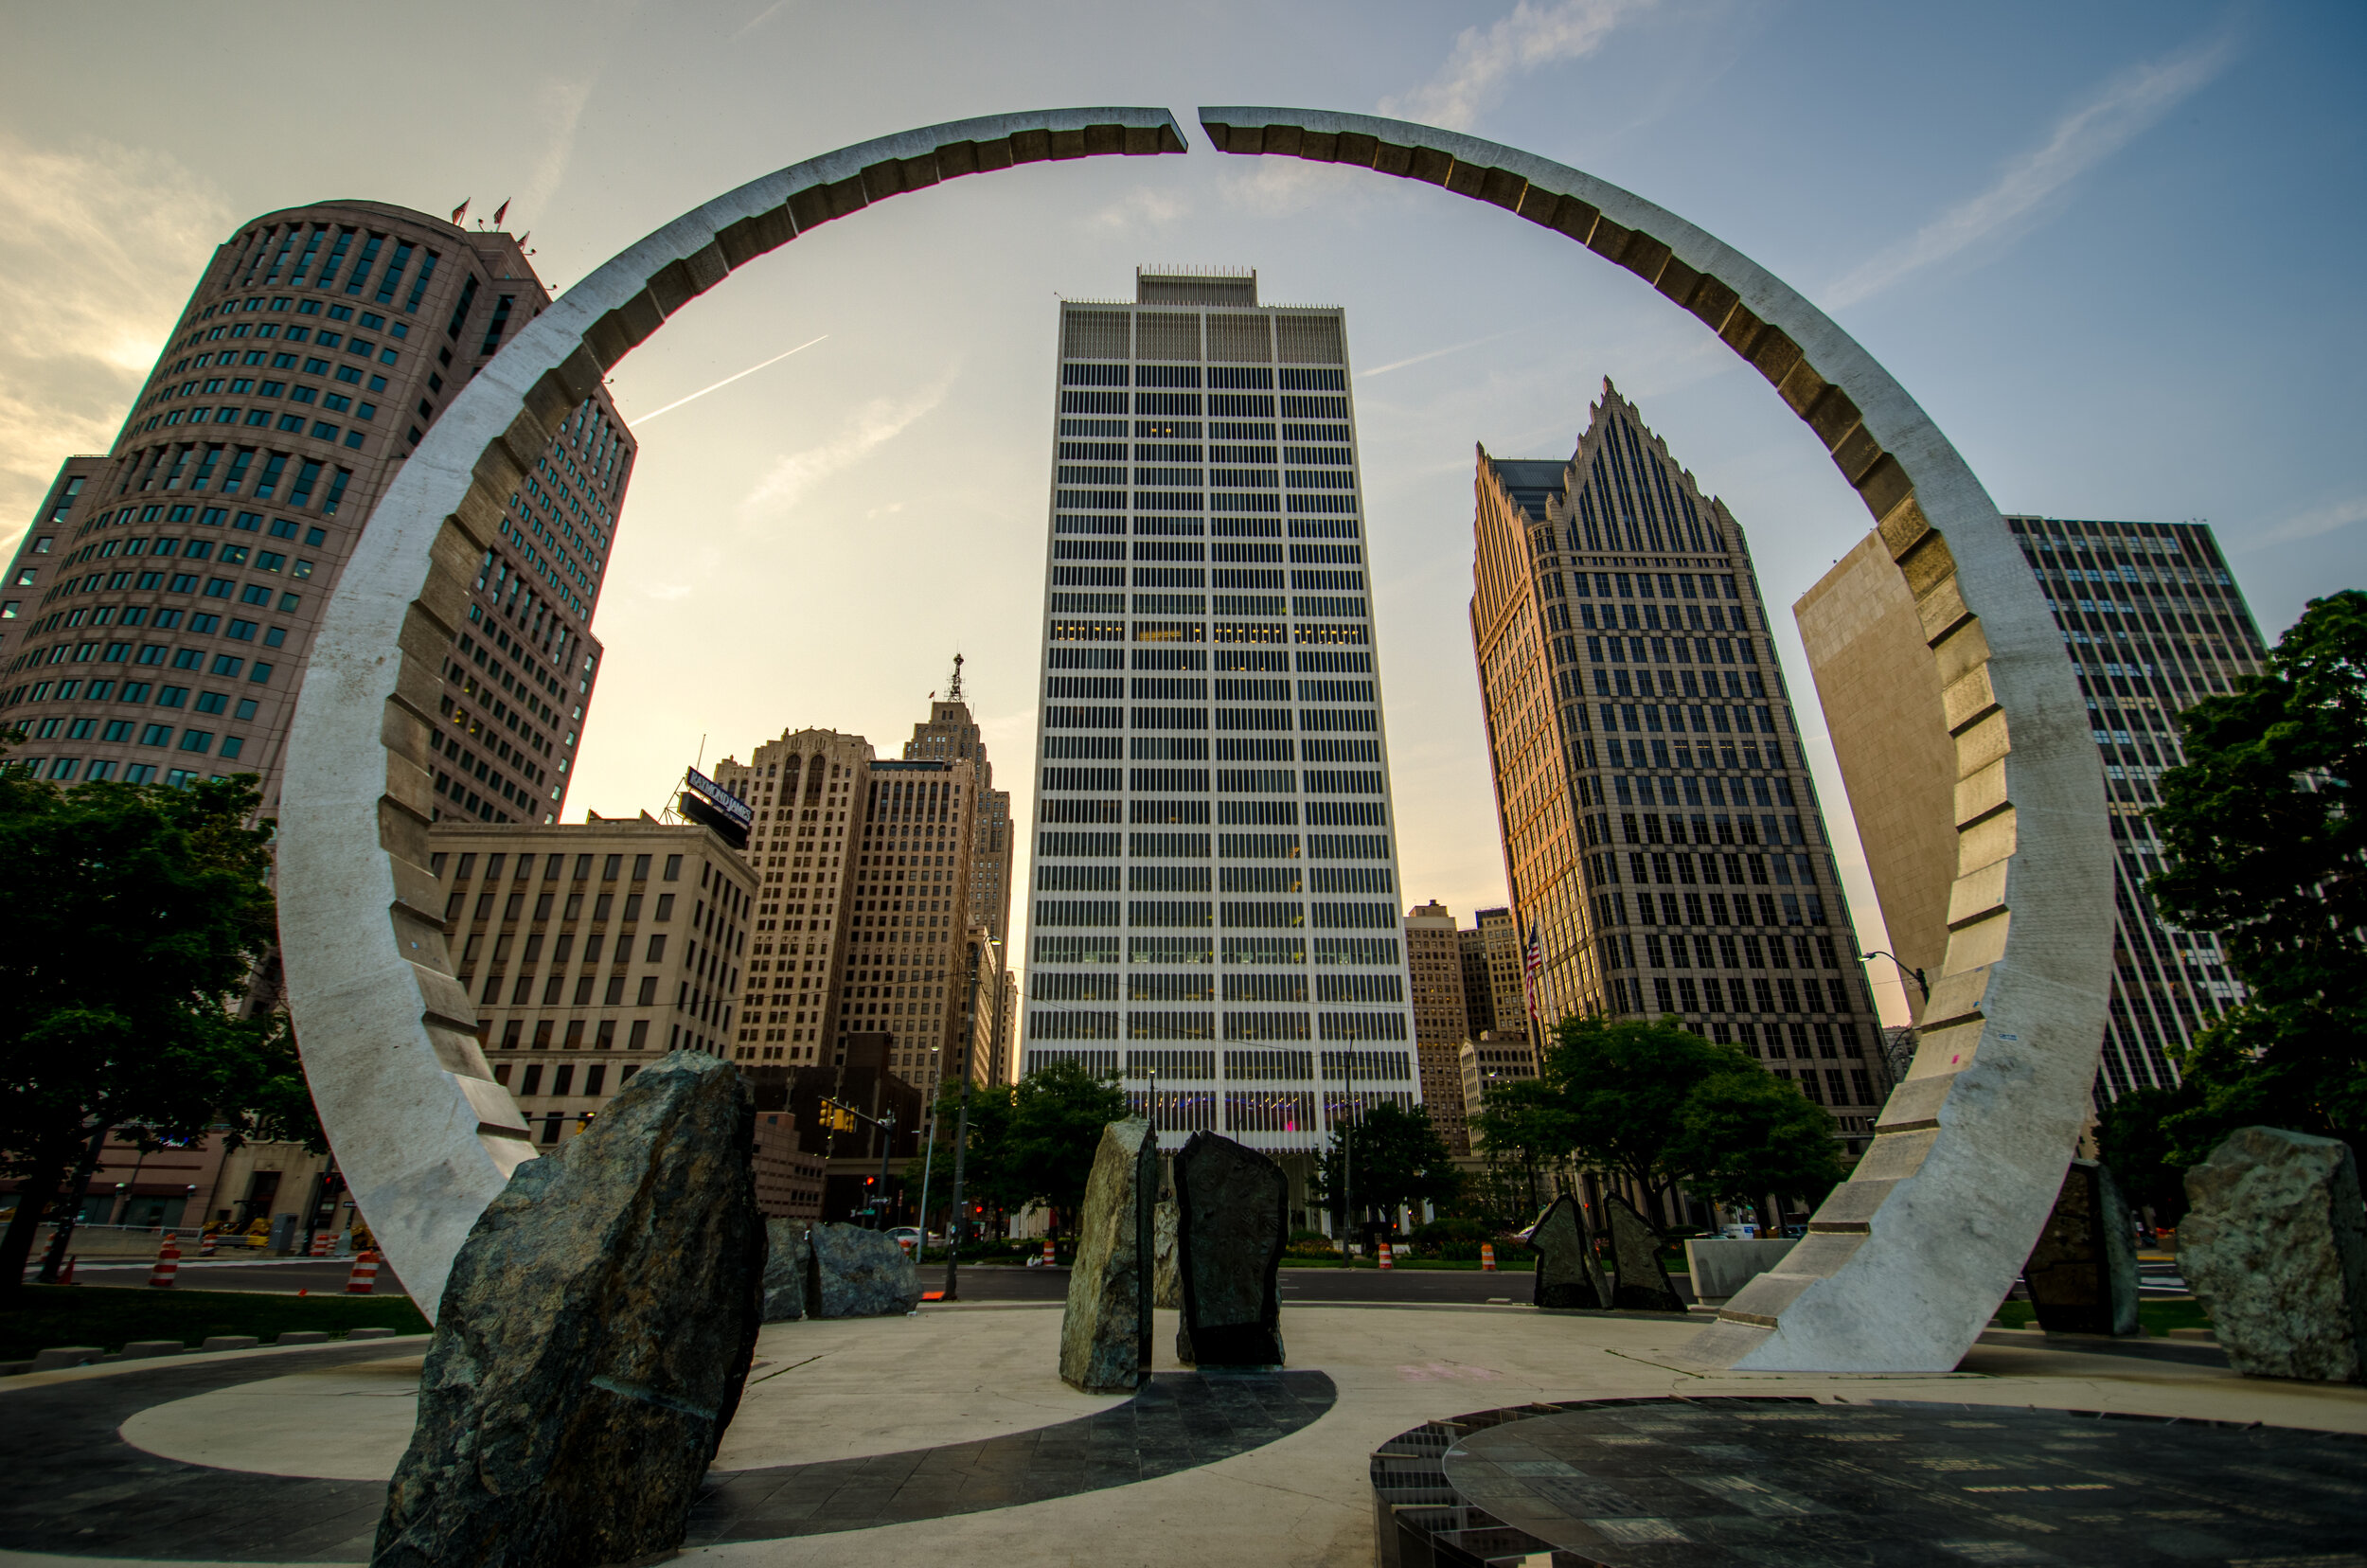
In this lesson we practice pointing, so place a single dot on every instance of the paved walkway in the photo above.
(278, 1455)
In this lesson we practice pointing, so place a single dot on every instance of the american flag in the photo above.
(1533, 972)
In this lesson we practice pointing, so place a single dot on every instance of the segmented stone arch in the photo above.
(423, 1135)
(1903, 1263)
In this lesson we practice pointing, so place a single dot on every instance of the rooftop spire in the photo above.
(954, 692)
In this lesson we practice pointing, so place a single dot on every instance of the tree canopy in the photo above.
(137, 917)
(2264, 844)
(1656, 1103)
(1388, 1158)
(1033, 1143)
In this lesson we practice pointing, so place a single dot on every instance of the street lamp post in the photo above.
(956, 1227)
(1921, 984)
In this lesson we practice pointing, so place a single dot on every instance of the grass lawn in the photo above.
(2155, 1316)
(46, 1315)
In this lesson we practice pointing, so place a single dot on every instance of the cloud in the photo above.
(559, 109)
(1480, 69)
(2310, 524)
(2128, 106)
(872, 426)
(99, 245)
(1137, 207)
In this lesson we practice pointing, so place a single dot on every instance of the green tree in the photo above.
(2132, 1134)
(137, 916)
(982, 1177)
(1389, 1157)
(1524, 1125)
(1656, 1103)
(2263, 846)
(1046, 1149)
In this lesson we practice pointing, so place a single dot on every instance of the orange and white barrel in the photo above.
(322, 1242)
(168, 1264)
(206, 1245)
(1386, 1261)
(1047, 1252)
(1487, 1257)
(364, 1276)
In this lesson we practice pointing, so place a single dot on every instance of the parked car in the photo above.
(907, 1237)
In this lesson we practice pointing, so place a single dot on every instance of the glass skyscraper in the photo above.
(1213, 905)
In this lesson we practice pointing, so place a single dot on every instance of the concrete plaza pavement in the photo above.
(841, 1389)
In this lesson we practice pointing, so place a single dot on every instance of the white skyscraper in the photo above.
(1214, 912)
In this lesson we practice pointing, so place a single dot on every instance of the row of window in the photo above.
(1115, 549)
(1150, 987)
(241, 472)
(1250, 814)
(1148, 452)
(1362, 952)
(1192, 748)
(1068, 717)
(1174, 634)
(154, 654)
(1155, 912)
(1085, 1023)
(1195, 878)
(1228, 846)
(1193, 430)
(62, 769)
(129, 733)
(1192, 658)
(1173, 688)
(1765, 909)
(1735, 996)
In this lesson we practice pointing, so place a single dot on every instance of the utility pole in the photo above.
(959, 1224)
(71, 1211)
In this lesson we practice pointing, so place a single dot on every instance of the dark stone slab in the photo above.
(592, 1340)
(788, 1259)
(2082, 1275)
(1730, 1482)
(1566, 1273)
(1105, 1331)
(1232, 1208)
(1635, 1251)
(2275, 1249)
(1167, 1281)
(858, 1272)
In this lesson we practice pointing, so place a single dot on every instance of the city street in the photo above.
(285, 1276)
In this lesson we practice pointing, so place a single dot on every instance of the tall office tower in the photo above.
(1434, 963)
(1500, 953)
(1479, 998)
(1661, 834)
(2154, 623)
(1214, 896)
(1004, 1066)
(950, 732)
(161, 609)
(862, 926)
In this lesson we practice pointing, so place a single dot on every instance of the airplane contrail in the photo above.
(643, 419)
(1434, 353)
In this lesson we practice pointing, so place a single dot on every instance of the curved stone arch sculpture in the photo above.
(424, 1136)
(1903, 1263)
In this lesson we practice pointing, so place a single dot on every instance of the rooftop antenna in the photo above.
(954, 692)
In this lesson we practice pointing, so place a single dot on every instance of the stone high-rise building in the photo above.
(2154, 621)
(157, 617)
(1215, 898)
(1661, 834)
(864, 923)
(1479, 998)
(950, 732)
(1433, 962)
(1495, 954)
(592, 949)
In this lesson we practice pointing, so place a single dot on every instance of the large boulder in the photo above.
(1105, 1331)
(2082, 1275)
(1232, 1212)
(1167, 1291)
(2275, 1250)
(788, 1259)
(858, 1272)
(593, 1338)
(1635, 1251)
(1566, 1271)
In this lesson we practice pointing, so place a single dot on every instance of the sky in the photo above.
(2112, 248)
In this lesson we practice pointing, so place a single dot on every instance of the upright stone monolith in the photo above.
(858, 1272)
(1105, 1331)
(788, 1259)
(1635, 1251)
(2082, 1273)
(1232, 1209)
(2275, 1250)
(594, 1335)
(1566, 1271)
(1168, 1280)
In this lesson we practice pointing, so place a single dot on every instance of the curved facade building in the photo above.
(157, 616)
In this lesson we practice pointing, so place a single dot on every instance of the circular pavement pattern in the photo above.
(1674, 1482)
